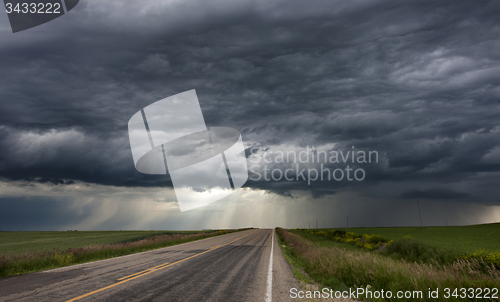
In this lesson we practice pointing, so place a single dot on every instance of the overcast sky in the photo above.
(416, 81)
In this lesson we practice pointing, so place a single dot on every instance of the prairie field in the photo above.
(21, 242)
(340, 259)
(26, 252)
(441, 244)
(463, 239)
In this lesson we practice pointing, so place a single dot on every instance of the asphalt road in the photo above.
(232, 267)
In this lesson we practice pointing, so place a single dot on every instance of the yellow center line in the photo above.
(143, 271)
(154, 269)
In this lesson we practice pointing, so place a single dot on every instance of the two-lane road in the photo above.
(233, 267)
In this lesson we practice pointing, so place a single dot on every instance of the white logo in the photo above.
(170, 136)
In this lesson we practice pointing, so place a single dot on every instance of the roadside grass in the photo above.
(440, 244)
(418, 251)
(297, 264)
(32, 261)
(462, 239)
(323, 241)
(300, 265)
(336, 266)
(21, 242)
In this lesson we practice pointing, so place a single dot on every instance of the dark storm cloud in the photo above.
(435, 193)
(56, 156)
(416, 80)
(54, 181)
(21, 214)
(320, 194)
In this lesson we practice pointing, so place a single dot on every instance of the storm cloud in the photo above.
(416, 81)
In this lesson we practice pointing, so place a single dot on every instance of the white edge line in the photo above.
(269, 293)
(155, 250)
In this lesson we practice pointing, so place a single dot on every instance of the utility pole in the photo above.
(324, 220)
(420, 214)
(347, 216)
(446, 221)
(316, 224)
(309, 225)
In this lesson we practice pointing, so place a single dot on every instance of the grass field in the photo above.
(442, 244)
(20, 242)
(323, 241)
(341, 265)
(26, 252)
(462, 239)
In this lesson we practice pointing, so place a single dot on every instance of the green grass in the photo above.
(322, 241)
(337, 266)
(295, 262)
(442, 244)
(461, 239)
(299, 264)
(53, 251)
(20, 242)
